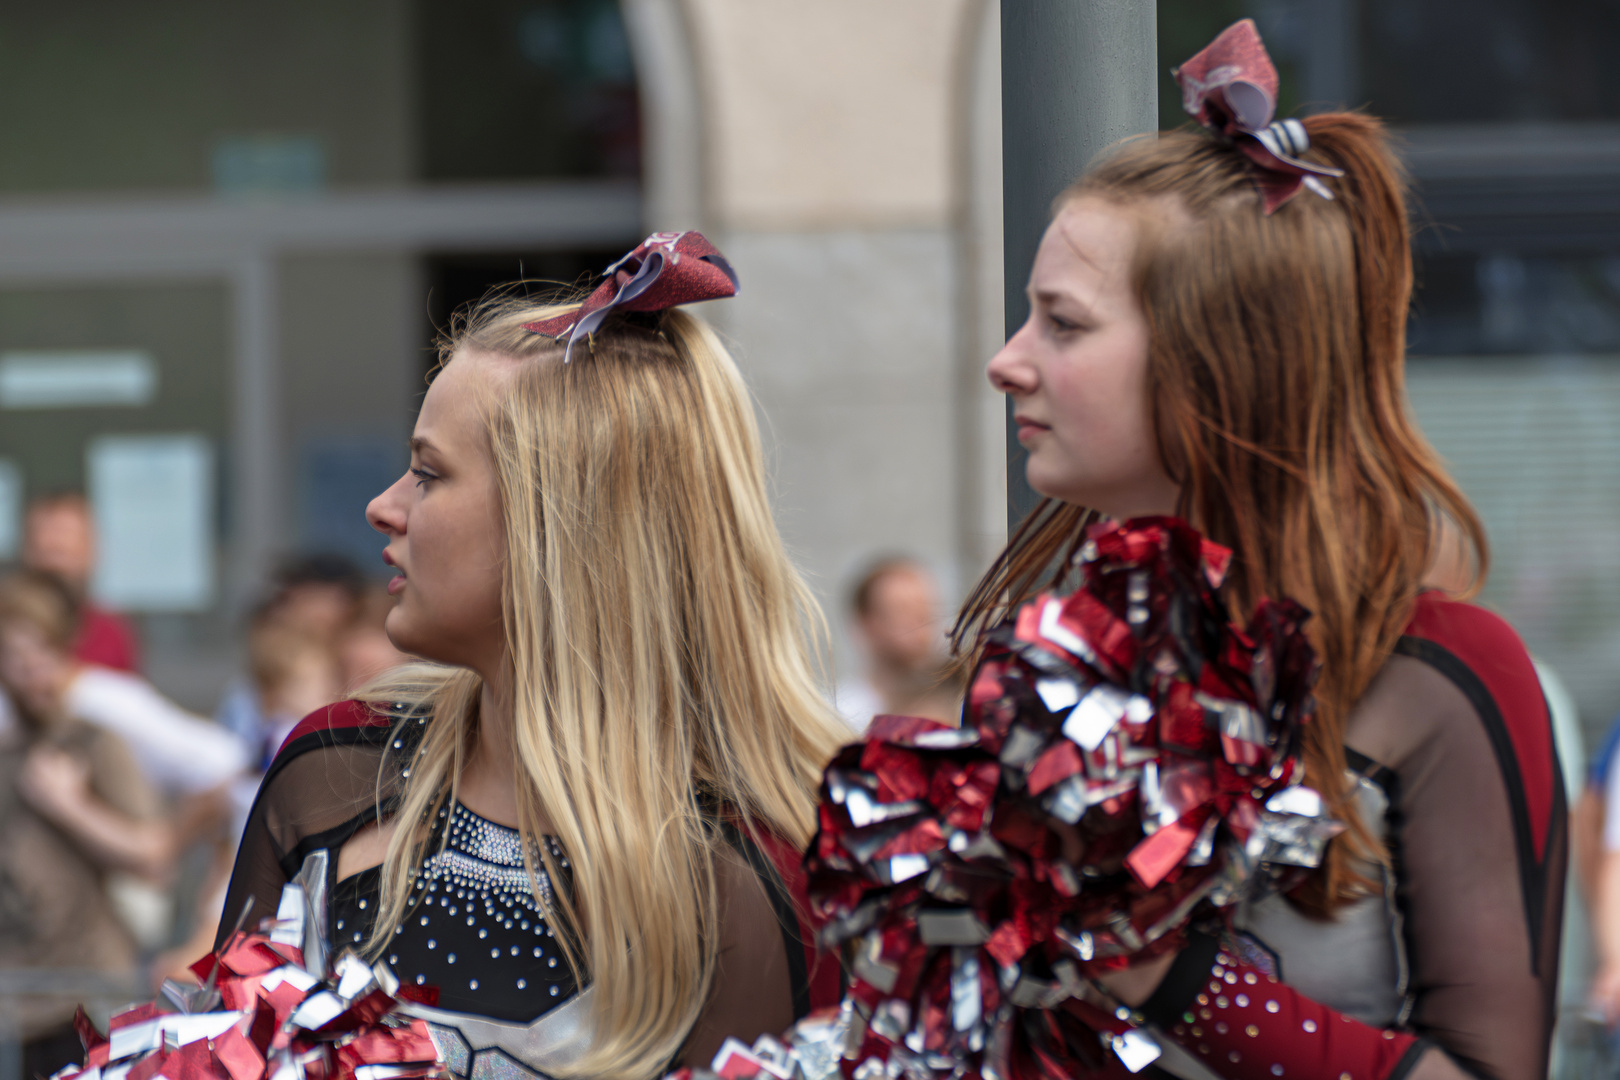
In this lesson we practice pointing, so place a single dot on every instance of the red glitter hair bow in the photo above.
(666, 270)
(1231, 87)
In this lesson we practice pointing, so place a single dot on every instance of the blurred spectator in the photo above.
(1588, 814)
(59, 537)
(301, 656)
(294, 673)
(901, 633)
(178, 752)
(75, 812)
(319, 593)
(1595, 837)
(316, 595)
(365, 650)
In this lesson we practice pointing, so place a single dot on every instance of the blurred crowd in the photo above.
(119, 809)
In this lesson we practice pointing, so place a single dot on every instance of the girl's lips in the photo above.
(395, 584)
(1028, 429)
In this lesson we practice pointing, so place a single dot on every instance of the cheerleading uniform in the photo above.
(507, 1001)
(1457, 946)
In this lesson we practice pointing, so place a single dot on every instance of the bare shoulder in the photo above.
(368, 847)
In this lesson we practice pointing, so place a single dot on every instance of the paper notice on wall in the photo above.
(153, 497)
(11, 506)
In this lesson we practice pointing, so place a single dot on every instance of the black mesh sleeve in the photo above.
(752, 994)
(1482, 899)
(318, 792)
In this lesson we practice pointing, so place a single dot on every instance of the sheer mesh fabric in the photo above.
(752, 993)
(1484, 960)
(324, 788)
(317, 795)
(1455, 730)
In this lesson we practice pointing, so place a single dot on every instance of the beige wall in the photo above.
(840, 162)
(831, 115)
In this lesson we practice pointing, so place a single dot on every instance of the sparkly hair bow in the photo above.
(666, 270)
(1231, 87)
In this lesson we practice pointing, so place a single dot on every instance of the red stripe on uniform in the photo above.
(1491, 648)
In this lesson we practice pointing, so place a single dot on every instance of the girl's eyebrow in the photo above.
(419, 444)
(1050, 297)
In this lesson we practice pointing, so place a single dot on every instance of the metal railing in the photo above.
(97, 991)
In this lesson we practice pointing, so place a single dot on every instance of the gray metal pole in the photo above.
(1076, 75)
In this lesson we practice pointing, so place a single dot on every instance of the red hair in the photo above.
(1276, 367)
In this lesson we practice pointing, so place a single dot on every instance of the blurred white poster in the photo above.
(11, 495)
(154, 504)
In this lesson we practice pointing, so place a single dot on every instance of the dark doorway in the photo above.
(456, 281)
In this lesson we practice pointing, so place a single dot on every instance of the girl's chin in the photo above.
(1050, 487)
(404, 632)
(409, 638)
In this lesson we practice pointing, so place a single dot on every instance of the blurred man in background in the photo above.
(59, 538)
(900, 630)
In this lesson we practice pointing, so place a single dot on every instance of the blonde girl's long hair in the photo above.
(661, 657)
(1276, 362)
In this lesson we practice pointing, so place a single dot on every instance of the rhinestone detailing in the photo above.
(476, 927)
(482, 862)
(1281, 1029)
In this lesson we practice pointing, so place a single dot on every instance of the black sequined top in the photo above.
(475, 929)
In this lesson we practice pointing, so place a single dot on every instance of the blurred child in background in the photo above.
(300, 657)
(179, 753)
(316, 596)
(295, 672)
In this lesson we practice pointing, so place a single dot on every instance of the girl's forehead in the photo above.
(460, 386)
(1095, 233)
(452, 428)
(470, 372)
(1089, 243)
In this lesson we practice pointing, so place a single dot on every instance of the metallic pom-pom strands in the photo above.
(1130, 763)
(270, 1006)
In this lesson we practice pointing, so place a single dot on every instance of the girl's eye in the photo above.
(422, 476)
(1063, 325)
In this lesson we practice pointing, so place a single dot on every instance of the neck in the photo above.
(488, 781)
(894, 681)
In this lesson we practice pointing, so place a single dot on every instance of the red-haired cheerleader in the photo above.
(1217, 332)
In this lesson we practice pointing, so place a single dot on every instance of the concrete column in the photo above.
(1075, 77)
(672, 114)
